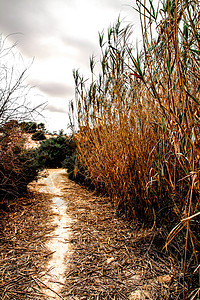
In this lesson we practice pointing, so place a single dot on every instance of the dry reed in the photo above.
(139, 128)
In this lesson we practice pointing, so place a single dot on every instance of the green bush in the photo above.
(38, 136)
(52, 152)
(29, 127)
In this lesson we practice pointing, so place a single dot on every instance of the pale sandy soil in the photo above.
(29, 143)
(58, 244)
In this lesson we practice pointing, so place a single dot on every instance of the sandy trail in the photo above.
(109, 258)
(54, 279)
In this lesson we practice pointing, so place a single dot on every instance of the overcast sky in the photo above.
(60, 35)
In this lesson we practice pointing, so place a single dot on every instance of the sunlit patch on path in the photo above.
(58, 244)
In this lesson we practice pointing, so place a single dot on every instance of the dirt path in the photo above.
(98, 255)
(64, 242)
(58, 244)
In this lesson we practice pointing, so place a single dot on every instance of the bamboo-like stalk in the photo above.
(139, 124)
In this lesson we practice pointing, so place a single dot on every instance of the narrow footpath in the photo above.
(61, 241)
(58, 244)
(97, 255)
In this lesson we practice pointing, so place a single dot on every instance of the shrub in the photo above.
(38, 136)
(29, 127)
(18, 166)
(52, 152)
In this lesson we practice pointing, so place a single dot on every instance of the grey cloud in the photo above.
(53, 89)
(115, 4)
(82, 46)
(38, 23)
(27, 17)
(32, 20)
(53, 108)
(76, 42)
(32, 46)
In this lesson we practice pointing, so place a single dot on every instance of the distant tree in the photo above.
(38, 136)
(29, 127)
(61, 132)
(9, 125)
(41, 127)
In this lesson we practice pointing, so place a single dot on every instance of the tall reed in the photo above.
(139, 124)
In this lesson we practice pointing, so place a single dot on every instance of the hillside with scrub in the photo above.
(138, 134)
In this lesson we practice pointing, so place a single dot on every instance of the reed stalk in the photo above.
(139, 124)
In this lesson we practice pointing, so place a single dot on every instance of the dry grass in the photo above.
(113, 258)
(139, 125)
(25, 228)
(109, 257)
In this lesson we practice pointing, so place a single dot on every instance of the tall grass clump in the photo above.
(139, 126)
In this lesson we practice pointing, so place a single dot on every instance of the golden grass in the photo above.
(139, 129)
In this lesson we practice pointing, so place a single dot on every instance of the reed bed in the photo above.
(138, 132)
(25, 226)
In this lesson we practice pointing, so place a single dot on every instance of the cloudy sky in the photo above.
(59, 36)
